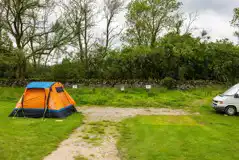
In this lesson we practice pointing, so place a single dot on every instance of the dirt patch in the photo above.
(96, 138)
(118, 114)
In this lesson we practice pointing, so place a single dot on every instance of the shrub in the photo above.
(169, 83)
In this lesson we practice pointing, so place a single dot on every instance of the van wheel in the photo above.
(231, 111)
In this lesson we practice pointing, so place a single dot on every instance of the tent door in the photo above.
(34, 99)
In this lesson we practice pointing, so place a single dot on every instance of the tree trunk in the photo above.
(86, 40)
(22, 65)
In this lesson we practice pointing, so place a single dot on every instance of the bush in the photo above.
(169, 83)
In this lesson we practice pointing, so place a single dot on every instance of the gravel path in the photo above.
(106, 149)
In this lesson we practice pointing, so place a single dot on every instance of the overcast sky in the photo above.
(214, 16)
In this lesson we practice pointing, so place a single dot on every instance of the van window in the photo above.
(233, 90)
(59, 89)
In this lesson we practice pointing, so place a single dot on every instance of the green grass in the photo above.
(139, 97)
(30, 139)
(10, 94)
(94, 132)
(133, 97)
(207, 137)
(80, 158)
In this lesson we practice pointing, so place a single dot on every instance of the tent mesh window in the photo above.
(59, 89)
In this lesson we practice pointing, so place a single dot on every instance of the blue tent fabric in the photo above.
(40, 85)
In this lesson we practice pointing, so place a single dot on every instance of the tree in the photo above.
(235, 21)
(111, 9)
(225, 60)
(8, 59)
(24, 20)
(147, 19)
(15, 19)
(204, 35)
(190, 20)
(184, 23)
(79, 20)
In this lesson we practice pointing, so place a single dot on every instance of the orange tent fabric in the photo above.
(44, 99)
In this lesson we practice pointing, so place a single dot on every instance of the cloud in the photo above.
(214, 16)
(224, 7)
(218, 27)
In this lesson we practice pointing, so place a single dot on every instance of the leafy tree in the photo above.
(225, 60)
(147, 19)
(8, 59)
(31, 32)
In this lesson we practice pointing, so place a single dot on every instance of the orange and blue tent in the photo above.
(44, 99)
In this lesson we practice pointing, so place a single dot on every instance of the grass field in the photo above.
(180, 138)
(29, 139)
(137, 97)
(158, 97)
(206, 136)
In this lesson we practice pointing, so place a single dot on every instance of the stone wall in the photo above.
(116, 83)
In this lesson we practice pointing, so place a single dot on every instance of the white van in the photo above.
(228, 102)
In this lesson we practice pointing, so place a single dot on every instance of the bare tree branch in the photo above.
(111, 9)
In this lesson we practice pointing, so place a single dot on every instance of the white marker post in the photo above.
(122, 89)
(148, 87)
(74, 86)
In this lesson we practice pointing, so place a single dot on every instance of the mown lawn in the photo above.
(204, 137)
(207, 136)
(29, 139)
